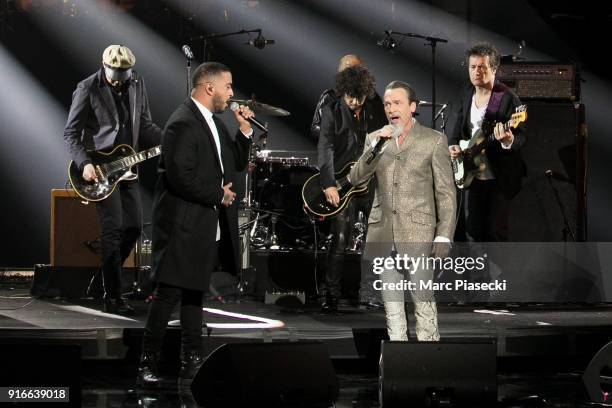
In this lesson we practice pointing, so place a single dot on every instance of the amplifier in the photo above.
(75, 232)
(541, 80)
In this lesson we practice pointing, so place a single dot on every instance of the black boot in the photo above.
(147, 371)
(190, 364)
(333, 276)
(330, 305)
(117, 306)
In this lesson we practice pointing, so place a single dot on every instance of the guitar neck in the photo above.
(129, 161)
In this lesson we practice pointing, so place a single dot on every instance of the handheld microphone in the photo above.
(397, 129)
(440, 111)
(187, 52)
(234, 107)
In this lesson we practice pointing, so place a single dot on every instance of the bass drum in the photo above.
(281, 194)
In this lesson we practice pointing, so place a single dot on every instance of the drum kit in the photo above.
(273, 216)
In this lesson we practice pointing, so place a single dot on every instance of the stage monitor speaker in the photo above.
(450, 373)
(75, 232)
(597, 378)
(47, 375)
(267, 374)
(556, 141)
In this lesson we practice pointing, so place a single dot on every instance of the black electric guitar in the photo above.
(314, 197)
(470, 163)
(111, 168)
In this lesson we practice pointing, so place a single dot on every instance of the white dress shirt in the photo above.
(208, 116)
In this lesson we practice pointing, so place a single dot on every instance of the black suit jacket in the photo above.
(506, 164)
(188, 199)
(93, 121)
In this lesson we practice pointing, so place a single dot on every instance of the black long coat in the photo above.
(188, 197)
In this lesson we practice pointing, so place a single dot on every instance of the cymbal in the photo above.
(261, 108)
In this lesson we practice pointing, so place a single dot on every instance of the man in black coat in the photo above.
(194, 215)
(487, 101)
(110, 108)
(344, 125)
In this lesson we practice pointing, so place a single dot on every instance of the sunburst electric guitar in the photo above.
(111, 168)
(470, 163)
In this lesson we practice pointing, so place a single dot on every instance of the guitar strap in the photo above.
(488, 122)
(494, 104)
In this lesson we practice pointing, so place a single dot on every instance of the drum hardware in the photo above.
(259, 236)
(247, 205)
(265, 234)
(258, 233)
(142, 271)
(358, 235)
(274, 238)
(273, 198)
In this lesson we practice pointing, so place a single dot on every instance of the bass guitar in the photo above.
(314, 197)
(111, 168)
(471, 160)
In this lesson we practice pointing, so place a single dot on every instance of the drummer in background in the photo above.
(344, 125)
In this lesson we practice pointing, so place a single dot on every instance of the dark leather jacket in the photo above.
(342, 136)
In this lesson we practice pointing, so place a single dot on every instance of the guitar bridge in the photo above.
(100, 172)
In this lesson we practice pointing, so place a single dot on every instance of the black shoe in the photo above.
(117, 306)
(190, 364)
(330, 305)
(372, 304)
(95, 292)
(147, 371)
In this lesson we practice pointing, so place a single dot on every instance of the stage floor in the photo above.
(520, 330)
(542, 349)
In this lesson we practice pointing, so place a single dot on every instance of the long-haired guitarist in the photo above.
(110, 108)
(344, 125)
(497, 168)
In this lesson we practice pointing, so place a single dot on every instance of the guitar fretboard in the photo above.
(129, 161)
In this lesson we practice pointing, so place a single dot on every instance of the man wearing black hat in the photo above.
(110, 108)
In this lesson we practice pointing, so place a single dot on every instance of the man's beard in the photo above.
(218, 104)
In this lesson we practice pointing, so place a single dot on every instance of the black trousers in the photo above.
(120, 217)
(341, 227)
(488, 212)
(164, 299)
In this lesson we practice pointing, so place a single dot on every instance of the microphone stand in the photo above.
(188, 76)
(431, 42)
(206, 37)
(567, 229)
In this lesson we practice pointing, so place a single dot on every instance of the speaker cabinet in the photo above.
(556, 141)
(450, 373)
(267, 374)
(597, 378)
(294, 270)
(75, 232)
